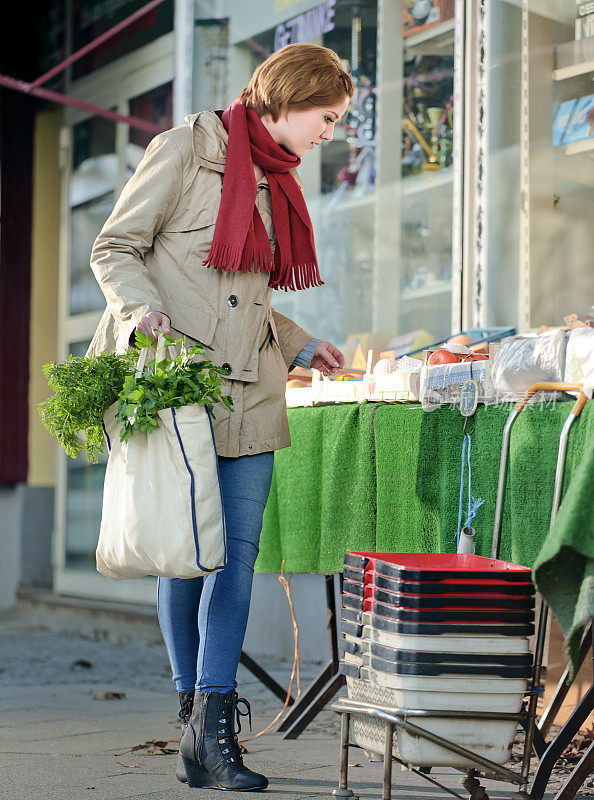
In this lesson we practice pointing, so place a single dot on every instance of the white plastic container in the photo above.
(472, 643)
(504, 645)
(489, 738)
(469, 689)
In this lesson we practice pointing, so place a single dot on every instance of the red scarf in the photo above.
(240, 242)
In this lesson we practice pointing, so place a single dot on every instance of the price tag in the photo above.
(468, 398)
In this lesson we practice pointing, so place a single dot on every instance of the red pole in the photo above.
(96, 43)
(65, 100)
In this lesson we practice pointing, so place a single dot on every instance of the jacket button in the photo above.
(227, 368)
(232, 300)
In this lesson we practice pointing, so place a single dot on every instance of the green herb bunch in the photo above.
(84, 388)
(168, 383)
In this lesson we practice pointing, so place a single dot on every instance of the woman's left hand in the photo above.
(327, 358)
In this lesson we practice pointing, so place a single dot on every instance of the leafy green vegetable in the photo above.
(84, 388)
(168, 383)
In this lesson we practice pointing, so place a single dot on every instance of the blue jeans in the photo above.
(203, 620)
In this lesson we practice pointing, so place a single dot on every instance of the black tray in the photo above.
(437, 670)
(427, 587)
(352, 670)
(505, 617)
(404, 615)
(430, 601)
(403, 574)
(459, 629)
(357, 575)
(423, 657)
(352, 628)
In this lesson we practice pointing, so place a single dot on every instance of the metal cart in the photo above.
(411, 720)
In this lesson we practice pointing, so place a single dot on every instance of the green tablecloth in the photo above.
(386, 478)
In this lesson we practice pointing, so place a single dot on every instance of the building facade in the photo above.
(455, 194)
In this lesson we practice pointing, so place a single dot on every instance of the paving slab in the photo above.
(58, 743)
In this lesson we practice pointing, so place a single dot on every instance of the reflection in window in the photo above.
(155, 106)
(402, 111)
(93, 183)
(84, 491)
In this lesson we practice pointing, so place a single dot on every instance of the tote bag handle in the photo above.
(143, 355)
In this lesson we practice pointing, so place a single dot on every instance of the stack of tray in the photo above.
(437, 632)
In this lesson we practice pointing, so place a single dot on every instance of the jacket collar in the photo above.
(210, 139)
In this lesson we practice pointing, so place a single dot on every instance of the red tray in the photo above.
(438, 566)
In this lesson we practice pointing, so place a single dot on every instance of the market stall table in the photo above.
(386, 477)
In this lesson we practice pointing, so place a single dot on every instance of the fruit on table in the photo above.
(443, 357)
(460, 338)
(297, 384)
(476, 357)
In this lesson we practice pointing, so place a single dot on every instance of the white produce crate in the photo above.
(468, 685)
(491, 739)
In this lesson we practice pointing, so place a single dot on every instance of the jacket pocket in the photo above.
(192, 239)
(198, 323)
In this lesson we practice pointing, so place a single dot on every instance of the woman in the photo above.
(211, 222)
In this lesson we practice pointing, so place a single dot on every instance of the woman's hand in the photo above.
(154, 323)
(327, 359)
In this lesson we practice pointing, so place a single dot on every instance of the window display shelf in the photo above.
(573, 70)
(579, 147)
(426, 291)
(435, 41)
(412, 184)
(574, 59)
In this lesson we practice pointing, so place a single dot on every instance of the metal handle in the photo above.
(546, 386)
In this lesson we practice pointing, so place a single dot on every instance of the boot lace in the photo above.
(230, 726)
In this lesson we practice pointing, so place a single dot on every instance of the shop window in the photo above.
(93, 183)
(540, 166)
(155, 106)
(380, 194)
(91, 18)
(84, 493)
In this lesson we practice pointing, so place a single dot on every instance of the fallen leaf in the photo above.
(121, 763)
(156, 747)
(355, 765)
(109, 696)
(81, 662)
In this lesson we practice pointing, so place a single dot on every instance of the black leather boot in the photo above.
(209, 750)
(186, 702)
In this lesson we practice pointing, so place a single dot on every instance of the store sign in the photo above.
(306, 26)
(584, 23)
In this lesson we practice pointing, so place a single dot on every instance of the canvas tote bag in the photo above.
(162, 506)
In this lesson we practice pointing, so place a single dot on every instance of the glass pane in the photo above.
(541, 162)
(84, 491)
(562, 233)
(93, 181)
(155, 106)
(380, 194)
(91, 19)
(427, 174)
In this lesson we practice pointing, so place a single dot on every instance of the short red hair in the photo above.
(297, 76)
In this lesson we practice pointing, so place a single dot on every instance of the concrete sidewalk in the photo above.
(58, 743)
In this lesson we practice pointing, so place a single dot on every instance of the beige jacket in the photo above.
(148, 257)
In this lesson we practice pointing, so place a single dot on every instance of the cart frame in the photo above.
(534, 737)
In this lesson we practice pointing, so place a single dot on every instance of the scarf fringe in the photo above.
(297, 276)
(231, 258)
